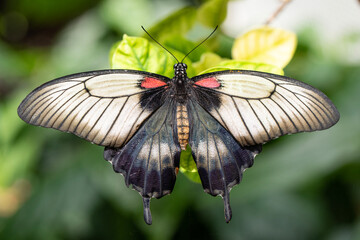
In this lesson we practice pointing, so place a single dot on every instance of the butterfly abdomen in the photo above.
(182, 125)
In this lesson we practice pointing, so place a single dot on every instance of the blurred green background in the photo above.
(54, 185)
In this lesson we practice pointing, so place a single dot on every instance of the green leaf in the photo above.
(178, 23)
(207, 60)
(140, 54)
(244, 65)
(188, 166)
(265, 45)
(212, 13)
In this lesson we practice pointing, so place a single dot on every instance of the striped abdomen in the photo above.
(182, 124)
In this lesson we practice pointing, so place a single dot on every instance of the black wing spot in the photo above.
(151, 103)
(210, 100)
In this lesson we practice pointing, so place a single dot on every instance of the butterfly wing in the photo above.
(219, 157)
(257, 107)
(149, 160)
(104, 107)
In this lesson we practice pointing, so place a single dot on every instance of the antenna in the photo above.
(200, 43)
(159, 44)
(188, 52)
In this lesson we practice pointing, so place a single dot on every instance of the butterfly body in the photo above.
(144, 120)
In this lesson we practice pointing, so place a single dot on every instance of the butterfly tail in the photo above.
(147, 212)
(220, 159)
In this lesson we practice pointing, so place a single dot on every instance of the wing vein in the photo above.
(310, 110)
(226, 126)
(314, 97)
(68, 115)
(268, 135)
(207, 159)
(277, 123)
(285, 114)
(160, 167)
(38, 116)
(221, 165)
(295, 109)
(47, 97)
(322, 108)
(114, 121)
(82, 118)
(97, 120)
(147, 166)
(142, 111)
(60, 108)
(242, 119)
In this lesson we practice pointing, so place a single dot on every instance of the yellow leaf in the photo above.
(265, 45)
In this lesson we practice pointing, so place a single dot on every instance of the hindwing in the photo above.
(150, 159)
(219, 157)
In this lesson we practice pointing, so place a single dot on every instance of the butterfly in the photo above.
(144, 121)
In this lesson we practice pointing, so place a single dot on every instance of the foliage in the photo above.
(265, 45)
(56, 186)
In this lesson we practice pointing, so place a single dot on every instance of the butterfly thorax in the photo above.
(180, 82)
(180, 73)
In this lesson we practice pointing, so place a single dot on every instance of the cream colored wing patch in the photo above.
(248, 86)
(105, 86)
(257, 107)
(103, 107)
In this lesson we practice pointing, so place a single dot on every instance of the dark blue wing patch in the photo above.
(219, 157)
(149, 160)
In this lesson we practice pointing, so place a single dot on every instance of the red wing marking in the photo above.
(152, 83)
(211, 82)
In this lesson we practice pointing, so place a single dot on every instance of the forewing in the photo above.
(219, 157)
(257, 107)
(104, 107)
(149, 160)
